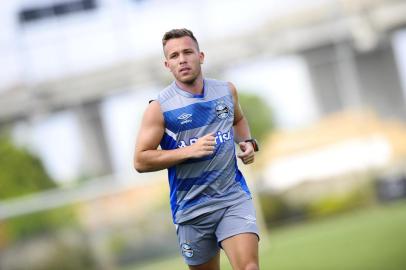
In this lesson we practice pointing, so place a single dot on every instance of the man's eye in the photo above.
(173, 56)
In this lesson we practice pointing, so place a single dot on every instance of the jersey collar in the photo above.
(188, 94)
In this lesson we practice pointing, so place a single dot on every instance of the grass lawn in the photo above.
(373, 238)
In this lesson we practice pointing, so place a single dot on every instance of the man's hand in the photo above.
(204, 146)
(247, 155)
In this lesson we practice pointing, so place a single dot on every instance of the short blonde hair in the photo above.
(178, 33)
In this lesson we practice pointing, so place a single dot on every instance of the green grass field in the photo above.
(372, 239)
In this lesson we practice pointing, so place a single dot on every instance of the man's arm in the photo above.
(148, 158)
(241, 130)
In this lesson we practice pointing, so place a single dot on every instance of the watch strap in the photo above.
(254, 144)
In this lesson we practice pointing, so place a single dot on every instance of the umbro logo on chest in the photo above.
(185, 118)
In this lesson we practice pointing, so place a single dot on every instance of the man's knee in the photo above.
(251, 266)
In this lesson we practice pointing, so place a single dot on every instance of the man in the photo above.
(196, 121)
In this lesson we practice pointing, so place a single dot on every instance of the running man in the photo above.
(196, 121)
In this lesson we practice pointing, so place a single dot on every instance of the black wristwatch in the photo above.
(254, 144)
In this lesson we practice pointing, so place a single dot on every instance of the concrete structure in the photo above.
(344, 78)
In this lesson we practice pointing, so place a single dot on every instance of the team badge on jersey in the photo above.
(187, 250)
(222, 110)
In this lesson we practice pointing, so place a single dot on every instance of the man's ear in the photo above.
(201, 56)
(166, 64)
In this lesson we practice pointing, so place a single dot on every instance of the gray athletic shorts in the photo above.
(200, 238)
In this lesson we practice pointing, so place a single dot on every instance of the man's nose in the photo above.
(182, 58)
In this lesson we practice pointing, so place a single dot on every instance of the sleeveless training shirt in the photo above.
(201, 185)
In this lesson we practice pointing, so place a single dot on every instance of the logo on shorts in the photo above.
(222, 110)
(187, 250)
(250, 219)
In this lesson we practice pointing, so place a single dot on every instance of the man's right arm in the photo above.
(148, 158)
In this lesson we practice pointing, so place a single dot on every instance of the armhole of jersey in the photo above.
(160, 106)
(232, 97)
(229, 89)
(157, 100)
(230, 93)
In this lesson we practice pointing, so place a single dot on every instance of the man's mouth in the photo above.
(184, 69)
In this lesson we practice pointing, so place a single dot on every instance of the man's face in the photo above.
(183, 59)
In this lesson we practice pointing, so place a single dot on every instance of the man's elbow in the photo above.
(139, 166)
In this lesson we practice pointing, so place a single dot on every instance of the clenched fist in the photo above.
(204, 146)
(247, 154)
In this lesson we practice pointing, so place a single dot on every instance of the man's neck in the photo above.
(195, 88)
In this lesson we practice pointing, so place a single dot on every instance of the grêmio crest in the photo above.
(222, 110)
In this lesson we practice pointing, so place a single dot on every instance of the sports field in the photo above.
(373, 239)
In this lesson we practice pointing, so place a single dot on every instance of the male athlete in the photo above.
(196, 121)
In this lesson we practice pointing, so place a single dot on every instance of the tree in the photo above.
(258, 113)
(22, 173)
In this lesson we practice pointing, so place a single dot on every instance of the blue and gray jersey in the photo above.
(201, 185)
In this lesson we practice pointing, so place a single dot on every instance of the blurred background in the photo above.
(322, 82)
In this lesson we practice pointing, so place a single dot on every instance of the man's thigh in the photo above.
(237, 219)
(242, 251)
(212, 264)
(197, 239)
(238, 235)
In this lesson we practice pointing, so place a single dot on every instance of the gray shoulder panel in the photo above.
(165, 96)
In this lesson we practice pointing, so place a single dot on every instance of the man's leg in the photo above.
(242, 251)
(213, 264)
(198, 242)
(238, 235)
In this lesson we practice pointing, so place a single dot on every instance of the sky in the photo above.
(131, 29)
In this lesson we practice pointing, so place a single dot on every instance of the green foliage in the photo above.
(26, 226)
(277, 211)
(68, 257)
(20, 171)
(258, 113)
(68, 250)
(328, 205)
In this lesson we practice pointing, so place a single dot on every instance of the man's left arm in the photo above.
(241, 130)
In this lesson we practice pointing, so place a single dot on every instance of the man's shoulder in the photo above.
(166, 94)
(215, 82)
(220, 88)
